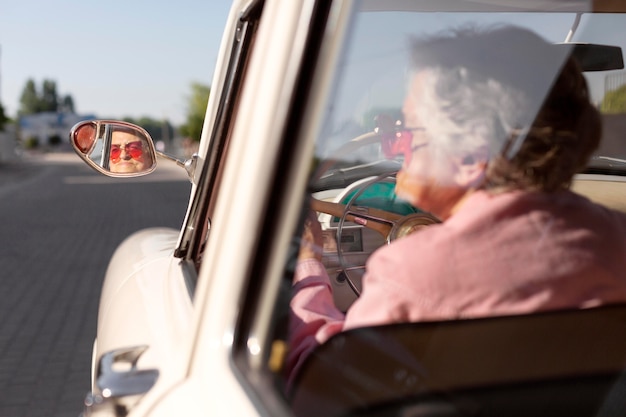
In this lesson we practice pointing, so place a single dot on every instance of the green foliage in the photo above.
(196, 111)
(33, 101)
(614, 101)
(158, 129)
(3, 118)
(67, 104)
(49, 101)
(29, 101)
(31, 143)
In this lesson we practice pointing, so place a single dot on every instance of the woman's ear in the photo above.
(470, 169)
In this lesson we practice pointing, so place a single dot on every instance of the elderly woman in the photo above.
(129, 153)
(492, 153)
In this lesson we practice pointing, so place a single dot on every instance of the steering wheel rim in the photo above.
(345, 270)
(398, 226)
(390, 225)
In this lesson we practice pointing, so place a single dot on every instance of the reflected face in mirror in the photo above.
(114, 148)
(129, 153)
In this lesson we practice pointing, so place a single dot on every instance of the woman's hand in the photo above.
(312, 243)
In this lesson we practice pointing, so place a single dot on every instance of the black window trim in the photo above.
(192, 241)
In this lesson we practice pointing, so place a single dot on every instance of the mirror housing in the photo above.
(596, 57)
(114, 148)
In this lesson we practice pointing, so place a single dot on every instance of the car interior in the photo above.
(563, 363)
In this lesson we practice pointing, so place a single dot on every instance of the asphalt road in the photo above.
(60, 224)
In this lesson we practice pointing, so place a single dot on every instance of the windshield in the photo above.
(375, 71)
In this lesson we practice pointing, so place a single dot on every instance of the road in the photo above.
(61, 222)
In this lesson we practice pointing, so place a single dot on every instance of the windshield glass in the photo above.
(470, 164)
(376, 69)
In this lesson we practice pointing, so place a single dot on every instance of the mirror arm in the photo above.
(189, 165)
(574, 27)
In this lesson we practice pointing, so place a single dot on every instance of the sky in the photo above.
(131, 58)
(116, 58)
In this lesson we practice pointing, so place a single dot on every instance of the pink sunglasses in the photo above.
(395, 139)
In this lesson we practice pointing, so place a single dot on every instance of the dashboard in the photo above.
(348, 245)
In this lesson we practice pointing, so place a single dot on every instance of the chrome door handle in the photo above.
(114, 383)
(118, 377)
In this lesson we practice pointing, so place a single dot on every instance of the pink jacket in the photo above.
(500, 254)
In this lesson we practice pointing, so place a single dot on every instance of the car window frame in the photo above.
(265, 285)
(197, 224)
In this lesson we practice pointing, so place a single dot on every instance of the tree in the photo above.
(32, 101)
(196, 110)
(3, 118)
(49, 99)
(615, 101)
(67, 104)
(158, 129)
(29, 101)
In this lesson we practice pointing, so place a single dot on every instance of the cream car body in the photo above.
(145, 283)
(185, 321)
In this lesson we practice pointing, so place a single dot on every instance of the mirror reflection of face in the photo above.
(128, 153)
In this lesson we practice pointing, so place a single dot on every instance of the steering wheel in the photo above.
(389, 224)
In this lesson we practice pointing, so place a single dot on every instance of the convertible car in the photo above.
(306, 113)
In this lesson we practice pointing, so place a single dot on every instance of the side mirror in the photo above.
(114, 148)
